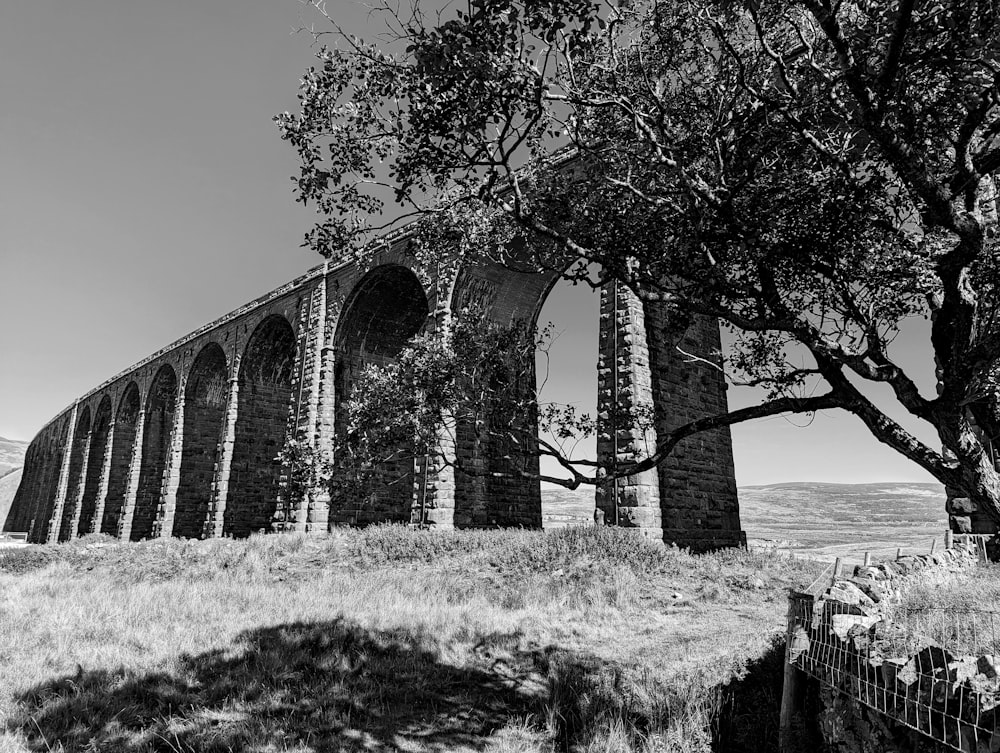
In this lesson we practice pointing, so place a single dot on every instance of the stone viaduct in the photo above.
(187, 442)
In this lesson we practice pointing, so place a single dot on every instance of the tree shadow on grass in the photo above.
(302, 686)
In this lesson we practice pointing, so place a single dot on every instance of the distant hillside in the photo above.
(843, 504)
(837, 519)
(816, 518)
(11, 454)
(8, 487)
(11, 459)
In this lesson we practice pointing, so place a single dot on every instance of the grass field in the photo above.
(391, 639)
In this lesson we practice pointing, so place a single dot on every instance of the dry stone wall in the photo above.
(194, 440)
(885, 683)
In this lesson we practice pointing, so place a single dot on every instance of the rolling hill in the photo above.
(11, 454)
(11, 459)
(8, 487)
(820, 519)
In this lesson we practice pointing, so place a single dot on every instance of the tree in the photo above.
(810, 172)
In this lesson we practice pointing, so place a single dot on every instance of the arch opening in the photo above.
(126, 423)
(498, 442)
(48, 485)
(161, 403)
(95, 465)
(263, 405)
(78, 454)
(26, 496)
(387, 308)
(566, 375)
(204, 414)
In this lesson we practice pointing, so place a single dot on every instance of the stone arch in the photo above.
(77, 458)
(161, 403)
(265, 396)
(569, 374)
(499, 497)
(385, 309)
(204, 414)
(48, 483)
(95, 464)
(126, 423)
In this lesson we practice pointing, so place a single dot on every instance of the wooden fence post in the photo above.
(790, 686)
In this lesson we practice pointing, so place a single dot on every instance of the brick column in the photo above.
(434, 489)
(134, 472)
(292, 514)
(433, 480)
(104, 481)
(81, 487)
(319, 500)
(700, 505)
(317, 513)
(624, 383)
(164, 525)
(215, 521)
(55, 522)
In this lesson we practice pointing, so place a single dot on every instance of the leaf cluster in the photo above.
(810, 173)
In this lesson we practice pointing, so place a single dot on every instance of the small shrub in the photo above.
(24, 560)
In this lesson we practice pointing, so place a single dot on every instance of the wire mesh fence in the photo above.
(900, 667)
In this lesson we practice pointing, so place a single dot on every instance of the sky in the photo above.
(144, 191)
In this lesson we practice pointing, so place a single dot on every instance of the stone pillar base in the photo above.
(964, 515)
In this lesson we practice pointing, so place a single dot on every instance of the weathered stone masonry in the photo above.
(188, 441)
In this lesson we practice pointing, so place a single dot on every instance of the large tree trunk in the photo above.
(974, 501)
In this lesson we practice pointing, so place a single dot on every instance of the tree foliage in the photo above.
(810, 172)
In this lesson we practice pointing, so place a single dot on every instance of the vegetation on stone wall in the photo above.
(811, 173)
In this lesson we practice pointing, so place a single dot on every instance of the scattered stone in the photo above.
(848, 593)
(962, 523)
(892, 568)
(892, 668)
(842, 624)
(962, 670)
(988, 666)
(799, 643)
(907, 675)
(872, 590)
(961, 506)
(871, 572)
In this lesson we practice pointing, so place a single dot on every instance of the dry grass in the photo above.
(390, 639)
(958, 610)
